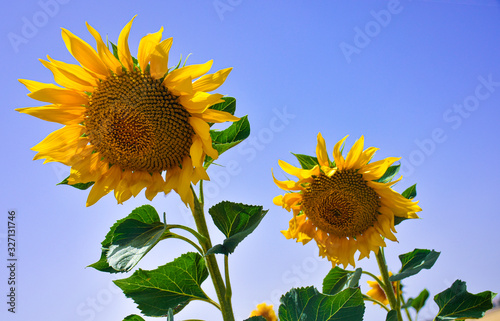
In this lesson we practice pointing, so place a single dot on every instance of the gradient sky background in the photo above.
(300, 67)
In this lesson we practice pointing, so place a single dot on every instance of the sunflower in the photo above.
(341, 205)
(377, 293)
(265, 311)
(129, 123)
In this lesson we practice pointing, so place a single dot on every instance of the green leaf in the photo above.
(129, 239)
(410, 192)
(229, 137)
(82, 186)
(168, 287)
(134, 317)
(306, 162)
(456, 303)
(132, 240)
(229, 105)
(338, 279)
(236, 221)
(418, 302)
(389, 174)
(415, 261)
(307, 304)
(257, 318)
(392, 316)
(115, 50)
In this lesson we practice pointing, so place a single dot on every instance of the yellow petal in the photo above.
(383, 226)
(104, 53)
(171, 179)
(183, 87)
(193, 71)
(155, 187)
(200, 101)
(321, 152)
(122, 190)
(63, 80)
(216, 116)
(292, 170)
(337, 154)
(104, 185)
(365, 157)
(60, 96)
(376, 170)
(59, 138)
(63, 115)
(140, 180)
(146, 47)
(69, 153)
(287, 185)
(354, 153)
(123, 49)
(159, 59)
(88, 169)
(184, 183)
(33, 86)
(212, 81)
(84, 53)
(278, 200)
(196, 152)
(75, 73)
(202, 129)
(290, 200)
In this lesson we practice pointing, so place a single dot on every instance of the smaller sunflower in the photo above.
(377, 293)
(265, 311)
(341, 205)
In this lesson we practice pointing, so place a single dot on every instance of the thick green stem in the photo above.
(388, 289)
(213, 267)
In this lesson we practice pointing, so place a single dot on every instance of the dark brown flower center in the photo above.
(342, 205)
(133, 121)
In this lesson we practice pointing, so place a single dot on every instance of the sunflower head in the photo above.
(265, 311)
(129, 123)
(345, 204)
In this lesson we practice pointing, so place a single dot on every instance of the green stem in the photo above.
(374, 277)
(228, 282)
(387, 286)
(367, 298)
(213, 267)
(201, 238)
(185, 239)
(408, 315)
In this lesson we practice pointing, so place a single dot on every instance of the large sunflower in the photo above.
(129, 123)
(340, 205)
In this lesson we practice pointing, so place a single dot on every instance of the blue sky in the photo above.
(419, 79)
